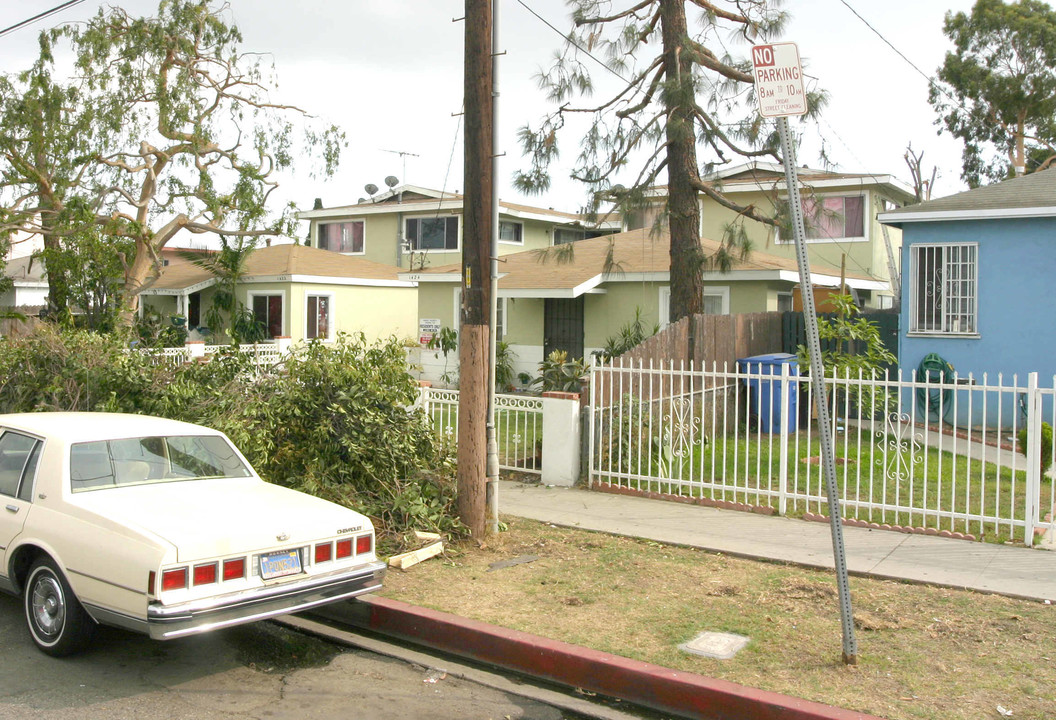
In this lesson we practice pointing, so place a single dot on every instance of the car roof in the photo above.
(88, 426)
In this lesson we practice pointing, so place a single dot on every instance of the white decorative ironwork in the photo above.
(902, 445)
(684, 427)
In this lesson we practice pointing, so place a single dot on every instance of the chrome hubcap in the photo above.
(47, 606)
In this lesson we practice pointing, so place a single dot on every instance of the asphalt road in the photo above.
(259, 671)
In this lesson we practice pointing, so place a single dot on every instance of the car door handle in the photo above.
(12, 508)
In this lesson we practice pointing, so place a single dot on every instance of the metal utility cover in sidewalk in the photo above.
(719, 645)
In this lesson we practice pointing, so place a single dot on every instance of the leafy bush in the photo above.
(854, 347)
(558, 373)
(629, 337)
(504, 366)
(1046, 444)
(337, 420)
(54, 369)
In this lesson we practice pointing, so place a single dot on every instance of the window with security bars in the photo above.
(944, 292)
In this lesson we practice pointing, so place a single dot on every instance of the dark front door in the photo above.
(563, 326)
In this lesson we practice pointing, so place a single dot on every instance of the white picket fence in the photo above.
(262, 353)
(518, 426)
(910, 454)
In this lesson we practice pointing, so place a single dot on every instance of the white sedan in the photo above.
(163, 528)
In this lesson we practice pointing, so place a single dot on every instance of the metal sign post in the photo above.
(779, 88)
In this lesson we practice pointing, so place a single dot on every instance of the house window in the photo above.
(784, 302)
(511, 232)
(318, 321)
(433, 233)
(342, 237)
(943, 294)
(267, 309)
(567, 235)
(716, 301)
(833, 217)
(500, 319)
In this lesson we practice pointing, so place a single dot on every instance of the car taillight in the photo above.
(151, 579)
(323, 552)
(364, 544)
(344, 548)
(175, 579)
(234, 569)
(205, 574)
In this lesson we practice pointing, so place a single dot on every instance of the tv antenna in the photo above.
(403, 156)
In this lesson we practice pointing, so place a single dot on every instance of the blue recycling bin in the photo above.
(765, 395)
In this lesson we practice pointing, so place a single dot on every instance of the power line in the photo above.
(570, 41)
(931, 80)
(46, 13)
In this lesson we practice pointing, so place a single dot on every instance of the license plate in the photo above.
(279, 564)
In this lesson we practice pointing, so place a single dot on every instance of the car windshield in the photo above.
(147, 460)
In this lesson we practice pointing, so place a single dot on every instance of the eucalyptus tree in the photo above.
(46, 151)
(997, 91)
(182, 133)
(679, 91)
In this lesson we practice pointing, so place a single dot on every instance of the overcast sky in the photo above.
(389, 72)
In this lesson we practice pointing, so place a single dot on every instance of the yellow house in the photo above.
(412, 227)
(577, 304)
(839, 209)
(299, 292)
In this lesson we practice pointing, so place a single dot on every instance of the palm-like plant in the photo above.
(228, 266)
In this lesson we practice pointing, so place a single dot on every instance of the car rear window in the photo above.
(146, 460)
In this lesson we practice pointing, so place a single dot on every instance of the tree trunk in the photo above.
(58, 283)
(476, 284)
(687, 285)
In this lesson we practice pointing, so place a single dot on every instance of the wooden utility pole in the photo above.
(476, 276)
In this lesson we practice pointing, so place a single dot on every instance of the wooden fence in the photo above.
(707, 339)
(11, 327)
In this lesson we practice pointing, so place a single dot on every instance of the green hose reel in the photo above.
(933, 369)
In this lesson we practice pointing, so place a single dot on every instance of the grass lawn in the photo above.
(518, 433)
(924, 652)
(920, 480)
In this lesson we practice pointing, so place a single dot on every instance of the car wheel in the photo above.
(57, 622)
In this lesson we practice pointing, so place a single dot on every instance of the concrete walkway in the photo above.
(1001, 569)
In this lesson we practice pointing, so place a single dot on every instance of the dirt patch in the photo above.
(923, 652)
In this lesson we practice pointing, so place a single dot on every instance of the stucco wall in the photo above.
(380, 233)
(1016, 265)
(377, 312)
(867, 257)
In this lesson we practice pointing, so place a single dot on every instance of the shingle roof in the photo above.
(283, 260)
(637, 251)
(1036, 191)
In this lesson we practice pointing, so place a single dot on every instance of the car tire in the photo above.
(57, 622)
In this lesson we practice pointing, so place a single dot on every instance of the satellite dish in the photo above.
(392, 181)
(371, 188)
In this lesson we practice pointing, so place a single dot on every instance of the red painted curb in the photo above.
(648, 685)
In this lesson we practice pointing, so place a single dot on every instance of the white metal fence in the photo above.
(262, 353)
(518, 426)
(910, 453)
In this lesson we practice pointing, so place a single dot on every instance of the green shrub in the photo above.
(1046, 444)
(629, 337)
(336, 420)
(558, 373)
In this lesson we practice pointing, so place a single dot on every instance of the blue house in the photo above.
(977, 270)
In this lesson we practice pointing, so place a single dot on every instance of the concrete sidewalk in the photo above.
(1001, 569)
